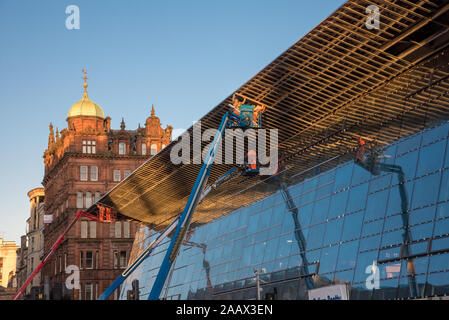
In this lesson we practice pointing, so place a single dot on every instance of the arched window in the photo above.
(144, 149)
(153, 149)
(163, 146)
(121, 148)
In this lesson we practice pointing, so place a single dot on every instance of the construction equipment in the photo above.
(370, 161)
(186, 216)
(133, 266)
(105, 216)
(200, 190)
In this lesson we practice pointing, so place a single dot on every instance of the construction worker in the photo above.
(257, 109)
(252, 160)
(361, 150)
(235, 109)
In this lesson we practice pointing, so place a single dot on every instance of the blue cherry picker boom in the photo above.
(241, 116)
(370, 161)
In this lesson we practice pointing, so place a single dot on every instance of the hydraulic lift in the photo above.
(104, 215)
(371, 162)
(242, 116)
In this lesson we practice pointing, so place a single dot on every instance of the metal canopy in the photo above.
(339, 82)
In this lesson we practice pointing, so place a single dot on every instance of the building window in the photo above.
(83, 173)
(121, 148)
(119, 259)
(153, 149)
(97, 196)
(144, 149)
(89, 146)
(126, 229)
(126, 173)
(118, 229)
(116, 175)
(79, 200)
(88, 199)
(89, 260)
(88, 291)
(83, 229)
(94, 173)
(92, 229)
(163, 146)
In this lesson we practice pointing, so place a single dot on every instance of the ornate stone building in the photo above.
(83, 162)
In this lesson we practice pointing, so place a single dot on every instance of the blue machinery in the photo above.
(181, 224)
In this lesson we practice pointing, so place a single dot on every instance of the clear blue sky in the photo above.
(182, 56)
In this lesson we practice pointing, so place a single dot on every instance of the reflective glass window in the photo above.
(442, 210)
(414, 266)
(440, 244)
(397, 203)
(439, 262)
(333, 231)
(364, 260)
(426, 190)
(444, 190)
(392, 238)
(421, 215)
(372, 227)
(305, 214)
(344, 276)
(359, 175)
(408, 164)
(347, 255)
(390, 270)
(438, 284)
(388, 289)
(441, 227)
(320, 210)
(376, 205)
(352, 226)
(390, 253)
(324, 191)
(328, 259)
(417, 248)
(338, 204)
(394, 222)
(409, 143)
(412, 287)
(357, 198)
(343, 177)
(315, 237)
(435, 134)
(422, 231)
(431, 158)
(370, 243)
(380, 183)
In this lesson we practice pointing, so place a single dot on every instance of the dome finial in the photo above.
(85, 81)
(152, 110)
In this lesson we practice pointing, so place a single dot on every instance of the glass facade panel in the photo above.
(335, 227)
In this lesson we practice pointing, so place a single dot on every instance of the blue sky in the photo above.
(182, 56)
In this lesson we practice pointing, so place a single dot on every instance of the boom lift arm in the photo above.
(56, 246)
(372, 164)
(186, 216)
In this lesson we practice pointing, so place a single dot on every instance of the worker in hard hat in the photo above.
(257, 110)
(236, 109)
(252, 160)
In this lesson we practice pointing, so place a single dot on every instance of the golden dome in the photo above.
(85, 107)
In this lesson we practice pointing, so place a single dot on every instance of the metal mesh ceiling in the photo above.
(339, 82)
